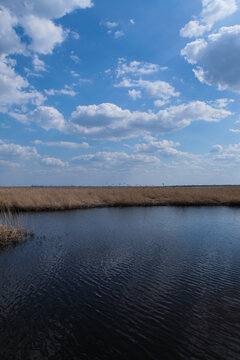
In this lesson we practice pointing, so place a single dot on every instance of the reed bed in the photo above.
(11, 230)
(42, 199)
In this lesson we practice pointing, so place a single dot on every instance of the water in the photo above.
(132, 283)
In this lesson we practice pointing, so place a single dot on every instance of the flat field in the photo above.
(63, 198)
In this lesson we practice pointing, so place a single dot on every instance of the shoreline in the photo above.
(23, 199)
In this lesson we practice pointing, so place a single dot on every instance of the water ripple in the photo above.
(151, 283)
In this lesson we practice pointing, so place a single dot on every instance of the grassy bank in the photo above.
(39, 199)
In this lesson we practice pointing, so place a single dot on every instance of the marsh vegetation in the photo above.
(11, 230)
(63, 198)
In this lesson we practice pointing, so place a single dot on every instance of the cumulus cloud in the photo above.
(217, 58)
(194, 29)
(216, 148)
(152, 89)
(115, 159)
(48, 118)
(75, 35)
(36, 19)
(127, 73)
(237, 131)
(111, 27)
(63, 144)
(164, 148)
(14, 89)
(75, 58)
(51, 161)
(110, 24)
(136, 68)
(21, 117)
(67, 90)
(230, 155)
(51, 9)
(212, 11)
(118, 34)
(44, 33)
(110, 121)
(233, 148)
(12, 164)
(135, 94)
(10, 43)
(221, 103)
(10, 151)
(38, 64)
(160, 103)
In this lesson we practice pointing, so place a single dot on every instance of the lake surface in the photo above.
(124, 283)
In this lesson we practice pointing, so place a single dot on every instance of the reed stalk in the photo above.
(11, 230)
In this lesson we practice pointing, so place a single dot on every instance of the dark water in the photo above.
(139, 283)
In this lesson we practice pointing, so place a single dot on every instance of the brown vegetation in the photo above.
(39, 199)
(11, 231)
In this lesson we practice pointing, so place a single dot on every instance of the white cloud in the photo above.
(132, 21)
(74, 73)
(75, 35)
(136, 68)
(153, 89)
(135, 94)
(213, 11)
(63, 144)
(115, 159)
(110, 24)
(14, 89)
(10, 151)
(217, 59)
(51, 161)
(233, 148)
(5, 163)
(112, 122)
(216, 148)
(67, 90)
(9, 40)
(237, 131)
(221, 103)
(109, 121)
(75, 58)
(48, 118)
(35, 17)
(44, 33)
(23, 118)
(51, 9)
(149, 138)
(38, 64)
(160, 103)
(164, 148)
(194, 29)
(229, 155)
(118, 34)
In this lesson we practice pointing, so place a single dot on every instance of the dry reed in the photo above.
(11, 230)
(39, 199)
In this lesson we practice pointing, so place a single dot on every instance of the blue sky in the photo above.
(109, 93)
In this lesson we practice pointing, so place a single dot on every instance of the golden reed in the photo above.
(11, 230)
(63, 198)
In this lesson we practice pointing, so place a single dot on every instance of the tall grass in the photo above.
(11, 230)
(39, 199)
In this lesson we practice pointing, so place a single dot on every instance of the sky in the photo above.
(119, 92)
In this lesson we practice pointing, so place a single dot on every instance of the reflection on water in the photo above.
(138, 283)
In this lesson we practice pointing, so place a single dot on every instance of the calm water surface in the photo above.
(132, 283)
